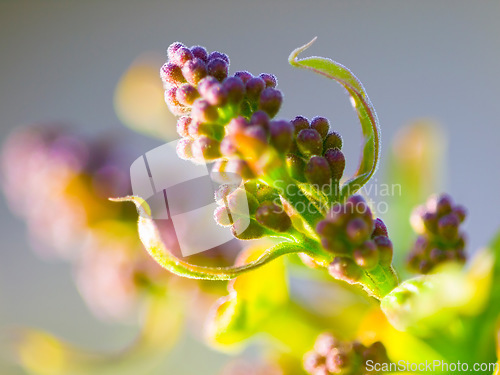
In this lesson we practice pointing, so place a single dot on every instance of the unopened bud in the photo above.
(269, 79)
(317, 171)
(270, 101)
(187, 94)
(333, 140)
(235, 89)
(366, 256)
(321, 125)
(309, 142)
(343, 268)
(200, 53)
(281, 133)
(273, 217)
(172, 74)
(204, 112)
(254, 87)
(336, 161)
(218, 68)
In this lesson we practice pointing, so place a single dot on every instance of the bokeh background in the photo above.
(62, 61)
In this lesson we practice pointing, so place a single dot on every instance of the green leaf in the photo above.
(364, 108)
(151, 239)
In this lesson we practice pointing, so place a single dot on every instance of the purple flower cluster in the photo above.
(439, 237)
(357, 240)
(332, 356)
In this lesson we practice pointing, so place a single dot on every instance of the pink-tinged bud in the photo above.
(186, 95)
(317, 172)
(227, 147)
(171, 74)
(173, 104)
(385, 249)
(270, 101)
(202, 111)
(260, 118)
(296, 167)
(257, 132)
(205, 148)
(173, 48)
(219, 55)
(194, 70)
(281, 135)
(309, 142)
(357, 231)
(216, 95)
(244, 76)
(183, 126)
(241, 168)
(273, 217)
(380, 229)
(430, 221)
(218, 68)
(437, 255)
(237, 125)
(336, 161)
(181, 56)
(269, 79)
(223, 216)
(200, 53)
(184, 149)
(366, 256)
(254, 87)
(235, 89)
(333, 140)
(325, 343)
(327, 228)
(299, 123)
(345, 269)
(241, 202)
(321, 125)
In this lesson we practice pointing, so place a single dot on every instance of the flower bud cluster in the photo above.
(315, 155)
(198, 88)
(357, 241)
(331, 356)
(439, 240)
(251, 210)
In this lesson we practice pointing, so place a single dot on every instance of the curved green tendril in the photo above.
(366, 113)
(150, 237)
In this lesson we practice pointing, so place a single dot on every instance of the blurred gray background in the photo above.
(61, 60)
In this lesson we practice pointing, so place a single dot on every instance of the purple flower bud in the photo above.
(327, 228)
(260, 118)
(218, 68)
(448, 227)
(216, 95)
(296, 167)
(173, 48)
(385, 249)
(218, 55)
(437, 255)
(181, 55)
(200, 53)
(321, 125)
(235, 89)
(270, 101)
(380, 229)
(444, 205)
(317, 172)
(205, 148)
(299, 123)
(333, 140)
(244, 76)
(367, 255)
(281, 135)
(204, 112)
(357, 231)
(336, 161)
(171, 74)
(461, 212)
(194, 70)
(430, 221)
(254, 87)
(309, 142)
(269, 79)
(343, 268)
(183, 126)
(273, 217)
(186, 94)
(357, 205)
